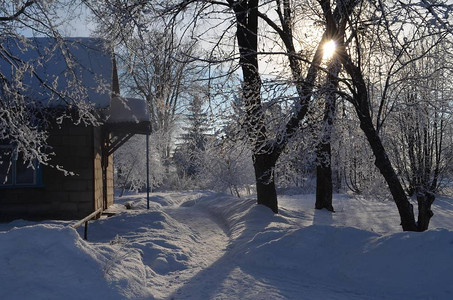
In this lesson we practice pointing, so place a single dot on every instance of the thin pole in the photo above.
(147, 170)
(85, 232)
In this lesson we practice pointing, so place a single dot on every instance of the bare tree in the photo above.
(324, 184)
(423, 122)
(267, 148)
(155, 67)
(351, 55)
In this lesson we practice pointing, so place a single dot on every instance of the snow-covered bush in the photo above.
(130, 164)
(226, 166)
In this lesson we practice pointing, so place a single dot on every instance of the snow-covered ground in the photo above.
(202, 245)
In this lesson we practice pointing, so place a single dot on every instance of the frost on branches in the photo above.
(32, 95)
(226, 166)
(130, 164)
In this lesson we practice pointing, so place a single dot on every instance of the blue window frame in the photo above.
(15, 172)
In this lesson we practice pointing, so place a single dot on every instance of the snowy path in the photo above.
(227, 277)
(210, 263)
(209, 243)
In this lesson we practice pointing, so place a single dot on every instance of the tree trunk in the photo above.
(264, 165)
(263, 159)
(384, 165)
(324, 184)
(324, 180)
(425, 213)
(382, 161)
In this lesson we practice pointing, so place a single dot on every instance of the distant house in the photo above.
(86, 151)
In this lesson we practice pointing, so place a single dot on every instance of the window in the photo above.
(5, 165)
(14, 171)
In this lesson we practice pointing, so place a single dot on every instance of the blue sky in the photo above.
(73, 21)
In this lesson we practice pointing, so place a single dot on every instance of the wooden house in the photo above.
(84, 151)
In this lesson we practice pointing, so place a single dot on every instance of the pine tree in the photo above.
(194, 138)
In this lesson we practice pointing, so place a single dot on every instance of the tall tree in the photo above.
(324, 184)
(194, 139)
(350, 53)
(155, 69)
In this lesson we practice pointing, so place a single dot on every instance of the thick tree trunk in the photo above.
(263, 160)
(324, 180)
(425, 213)
(264, 165)
(324, 184)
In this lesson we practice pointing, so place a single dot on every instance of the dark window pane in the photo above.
(24, 174)
(5, 166)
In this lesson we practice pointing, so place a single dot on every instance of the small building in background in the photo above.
(79, 179)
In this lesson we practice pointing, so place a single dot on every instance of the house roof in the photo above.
(123, 110)
(59, 74)
(76, 70)
(128, 114)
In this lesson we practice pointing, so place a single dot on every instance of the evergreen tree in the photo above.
(194, 139)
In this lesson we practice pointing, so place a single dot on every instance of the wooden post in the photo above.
(85, 221)
(147, 170)
(85, 233)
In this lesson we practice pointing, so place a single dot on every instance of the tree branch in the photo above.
(19, 12)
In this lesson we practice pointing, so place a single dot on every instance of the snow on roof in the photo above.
(78, 70)
(127, 110)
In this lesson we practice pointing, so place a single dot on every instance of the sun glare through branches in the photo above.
(329, 49)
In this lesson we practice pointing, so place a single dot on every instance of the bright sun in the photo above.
(329, 49)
